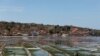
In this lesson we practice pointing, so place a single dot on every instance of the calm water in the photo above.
(86, 41)
(40, 53)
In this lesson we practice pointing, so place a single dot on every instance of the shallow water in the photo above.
(88, 41)
(16, 52)
(40, 53)
(58, 54)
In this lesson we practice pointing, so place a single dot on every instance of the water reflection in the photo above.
(40, 53)
(89, 41)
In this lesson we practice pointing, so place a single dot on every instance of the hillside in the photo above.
(17, 29)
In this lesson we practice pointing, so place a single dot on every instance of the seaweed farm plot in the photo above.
(53, 51)
(69, 52)
(78, 51)
(38, 52)
(42, 46)
(15, 52)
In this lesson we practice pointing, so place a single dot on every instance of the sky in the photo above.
(82, 13)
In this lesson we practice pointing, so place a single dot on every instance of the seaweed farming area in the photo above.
(50, 50)
(41, 46)
(15, 52)
(39, 52)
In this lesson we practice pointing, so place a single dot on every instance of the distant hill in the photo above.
(17, 29)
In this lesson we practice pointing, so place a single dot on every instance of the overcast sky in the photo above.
(84, 13)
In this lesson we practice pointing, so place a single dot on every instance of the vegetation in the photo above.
(16, 28)
(96, 33)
